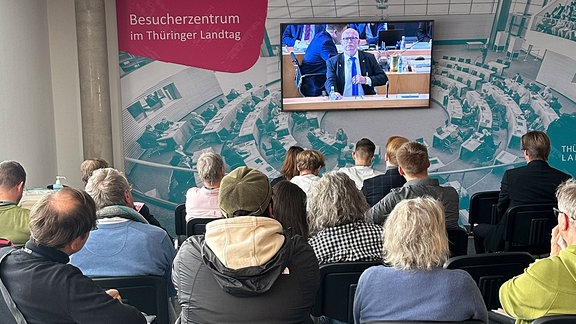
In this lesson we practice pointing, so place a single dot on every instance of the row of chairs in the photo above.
(528, 227)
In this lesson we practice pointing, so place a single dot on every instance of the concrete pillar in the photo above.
(94, 84)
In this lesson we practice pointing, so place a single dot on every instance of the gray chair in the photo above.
(197, 226)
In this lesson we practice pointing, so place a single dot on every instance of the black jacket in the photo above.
(48, 290)
(281, 290)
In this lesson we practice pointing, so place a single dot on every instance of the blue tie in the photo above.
(354, 85)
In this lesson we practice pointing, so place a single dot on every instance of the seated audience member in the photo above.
(424, 31)
(338, 228)
(149, 140)
(210, 111)
(377, 187)
(244, 269)
(289, 208)
(341, 139)
(322, 47)
(413, 163)
(13, 219)
(44, 287)
(363, 156)
(548, 286)
(124, 244)
(534, 183)
(89, 165)
(203, 202)
(163, 125)
(289, 169)
(368, 74)
(309, 164)
(414, 285)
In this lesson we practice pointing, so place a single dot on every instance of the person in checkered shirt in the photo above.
(338, 228)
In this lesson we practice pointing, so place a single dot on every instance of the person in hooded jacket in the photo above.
(244, 269)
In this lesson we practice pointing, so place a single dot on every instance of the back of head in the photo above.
(210, 167)
(289, 169)
(244, 192)
(335, 200)
(415, 236)
(289, 207)
(108, 187)
(537, 145)
(392, 146)
(11, 174)
(61, 216)
(413, 158)
(566, 195)
(330, 28)
(88, 166)
(365, 149)
(310, 160)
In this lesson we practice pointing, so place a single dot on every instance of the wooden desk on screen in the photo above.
(376, 101)
(408, 82)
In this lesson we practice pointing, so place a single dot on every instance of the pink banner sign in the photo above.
(223, 35)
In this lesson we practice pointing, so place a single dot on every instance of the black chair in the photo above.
(555, 319)
(180, 223)
(458, 242)
(197, 226)
(491, 270)
(299, 77)
(483, 208)
(147, 293)
(335, 298)
(529, 228)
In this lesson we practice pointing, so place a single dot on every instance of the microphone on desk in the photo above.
(387, 85)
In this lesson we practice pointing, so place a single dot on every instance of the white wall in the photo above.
(26, 112)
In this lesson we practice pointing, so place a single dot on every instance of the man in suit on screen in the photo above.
(353, 73)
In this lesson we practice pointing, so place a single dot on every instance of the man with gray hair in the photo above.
(244, 269)
(43, 287)
(548, 286)
(13, 219)
(124, 244)
(203, 201)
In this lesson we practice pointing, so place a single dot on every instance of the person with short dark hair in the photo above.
(44, 287)
(377, 187)
(363, 156)
(245, 269)
(548, 286)
(534, 183)
(13, 219)
(413, 163)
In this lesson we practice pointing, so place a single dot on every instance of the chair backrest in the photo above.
(491, 270)
(147, 293)
(458, 242)
(483, 207)
(335, 298)
(297, 72)
(529, 228)
(180, 219)
(197, 226)
(555, 319)
(470, 321)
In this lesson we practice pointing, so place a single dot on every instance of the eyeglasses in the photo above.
(557, 213)
(349, 39)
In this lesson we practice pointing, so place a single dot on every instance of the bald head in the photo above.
(350, 41)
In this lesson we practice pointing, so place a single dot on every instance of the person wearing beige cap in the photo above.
(244, 269)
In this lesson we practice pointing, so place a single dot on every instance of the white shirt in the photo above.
(359, 173)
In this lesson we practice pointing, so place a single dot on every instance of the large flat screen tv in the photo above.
(402, 50)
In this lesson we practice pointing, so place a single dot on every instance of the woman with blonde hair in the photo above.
(415, 248)
(338, 228)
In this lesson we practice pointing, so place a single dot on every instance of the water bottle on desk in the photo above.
(400, 64)
(403, 43)
(332, 94)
